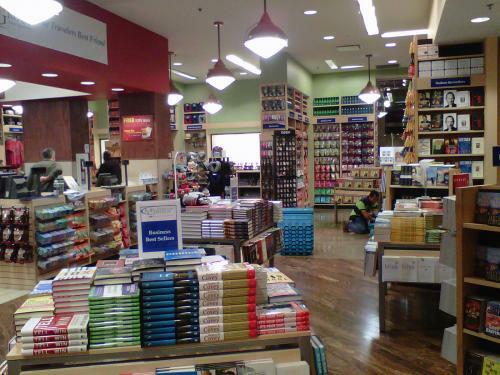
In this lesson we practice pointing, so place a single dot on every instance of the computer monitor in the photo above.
(107, 179)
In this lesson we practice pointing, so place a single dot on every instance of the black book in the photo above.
(169, 323)
(174, 329)
(194, 303)
(473, 363)
(174, 316)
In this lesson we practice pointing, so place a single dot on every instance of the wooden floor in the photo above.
(344, 307)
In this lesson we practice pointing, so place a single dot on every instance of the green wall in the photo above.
(100, 109)
(298, 77)
(349, 83)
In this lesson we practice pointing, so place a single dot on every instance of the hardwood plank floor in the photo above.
(344, 307)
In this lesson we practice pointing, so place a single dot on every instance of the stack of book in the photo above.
(408, 229)
(70, 290)
(227, 302)
(277, 211)
(238, 229)
(115, 317)
(183, 260)
(34, 307)
(283, 292)
(140, 266)
(169, 304)
(191, 221)
(112, 272)
(282, 318)
(261, 285)
(212, 229)
(55, 334)
(434, 235)
(220, 211)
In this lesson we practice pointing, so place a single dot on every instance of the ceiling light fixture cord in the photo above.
(218, 24)
(369, 69)
(265, 6)
(170, 54)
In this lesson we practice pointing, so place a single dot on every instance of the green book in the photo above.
(119, 292)
(112, 304)
(104, 337)
(132, 323)
(114, 344)
(115, 332)
(114, 316)
(103, 310)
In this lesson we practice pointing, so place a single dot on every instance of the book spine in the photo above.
(226, 293)
(280, 330)
(69, 349)
(227, 318)
(227, 327)
(54, 344)
(40, 339)
(218, 309)
(246, 300)
(56, 331)
(281, 316)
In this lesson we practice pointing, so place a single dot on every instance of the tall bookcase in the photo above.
(469, 235)
(194, 123)
(345, 140)
(465, 78)
(284, 108)
(114, 144)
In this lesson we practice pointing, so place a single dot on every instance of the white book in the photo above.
(391, 268)
(292, 368)
(478, 169)
(478, 145)
(409, 269)
(427, 269)
(463, 122)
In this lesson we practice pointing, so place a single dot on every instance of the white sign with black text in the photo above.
(69, 32)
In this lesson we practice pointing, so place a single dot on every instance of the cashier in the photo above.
(110, 166)
(364, 211)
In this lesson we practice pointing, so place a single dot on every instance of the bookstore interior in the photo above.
(279, 188)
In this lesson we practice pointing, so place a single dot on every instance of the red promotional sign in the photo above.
(137, 128)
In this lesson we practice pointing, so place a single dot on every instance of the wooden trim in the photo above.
(491, 115)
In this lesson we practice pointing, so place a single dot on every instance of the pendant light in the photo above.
(266, 39)
(212, 105)
(219, 76)
(370, 94)
(32, 12)
(6, 84)
(174, 95)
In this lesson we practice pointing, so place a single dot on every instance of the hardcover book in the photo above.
(78, 275)
(478, 169)
(492, 321)
(43, 288)
(463, 122)
(436, 99)
(438, 146)
(474, 313)
(56, 325)
(121, 291)
(478, 145)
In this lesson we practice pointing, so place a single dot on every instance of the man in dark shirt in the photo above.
(110, 166)
(363, 213)
(52, 170)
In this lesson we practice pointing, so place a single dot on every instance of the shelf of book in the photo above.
(453, 132)
(419, 187)
(431, 156)
(482, 282)
(483, 227)
(457, 109)
(469, 236)
(466, 101)
(482, 336)
(114, 356)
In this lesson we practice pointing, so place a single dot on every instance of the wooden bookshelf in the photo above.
(468, 234)
(489, 84)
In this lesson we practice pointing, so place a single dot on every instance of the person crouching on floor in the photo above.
(364, 211)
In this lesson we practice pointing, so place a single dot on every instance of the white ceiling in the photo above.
(31, 91)
(188, 26)
(455, 26)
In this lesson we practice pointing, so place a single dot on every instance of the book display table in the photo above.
(399, 249)
(109, 358)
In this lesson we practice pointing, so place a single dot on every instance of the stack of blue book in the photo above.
(298, 231)
(170, 308)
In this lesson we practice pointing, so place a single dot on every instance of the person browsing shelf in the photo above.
(364, 211)
(43, 174)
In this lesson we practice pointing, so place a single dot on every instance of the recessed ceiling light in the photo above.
(331, 64)
(184, 75)
(5, 65)
(177, 64)
(395, 34)
(87, 83)
(392, 62)
(350, 66)
(243, 64)
(310, 12)
(479, 19)
(390, 45)
(369, 17)
(50, 75)
(214, 60)
(243, 73)
(328, 37)
(117, 89)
